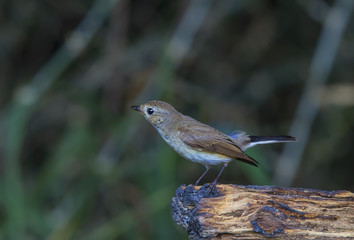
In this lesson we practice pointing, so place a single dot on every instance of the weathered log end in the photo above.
(256, 212)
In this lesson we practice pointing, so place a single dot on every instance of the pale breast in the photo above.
(192, 154)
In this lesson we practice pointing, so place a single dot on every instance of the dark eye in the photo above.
(150, 111)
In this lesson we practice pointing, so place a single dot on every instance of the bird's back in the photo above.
(210, 140)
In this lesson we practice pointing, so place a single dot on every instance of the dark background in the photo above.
(77, 163)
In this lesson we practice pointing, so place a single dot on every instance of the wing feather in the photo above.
(206, 138)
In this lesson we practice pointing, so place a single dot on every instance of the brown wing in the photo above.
(206, 138)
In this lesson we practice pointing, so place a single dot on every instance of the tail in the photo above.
(255, 140)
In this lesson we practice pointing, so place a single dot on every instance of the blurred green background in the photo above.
(77, 163)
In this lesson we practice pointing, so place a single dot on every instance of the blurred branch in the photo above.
(177, 48)
(185, 33)
(316, 9)
(17, 114)
(308, 107)
(70, 50)
(336, 94)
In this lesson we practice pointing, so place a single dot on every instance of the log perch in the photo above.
(258, 212)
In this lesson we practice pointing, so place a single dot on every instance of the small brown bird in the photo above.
(199, 142)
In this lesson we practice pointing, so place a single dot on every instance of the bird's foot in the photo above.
(212, 187)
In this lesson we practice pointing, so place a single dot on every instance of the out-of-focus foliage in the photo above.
(77, 163)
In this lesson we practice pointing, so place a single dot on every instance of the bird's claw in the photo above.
(212, 186)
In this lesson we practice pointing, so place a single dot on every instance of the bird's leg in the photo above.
(213, 184)
(196, 183)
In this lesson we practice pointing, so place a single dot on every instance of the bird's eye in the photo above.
(150, 111)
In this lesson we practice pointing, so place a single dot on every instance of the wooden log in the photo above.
(258, 212)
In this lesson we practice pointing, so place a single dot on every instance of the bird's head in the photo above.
(158, 113)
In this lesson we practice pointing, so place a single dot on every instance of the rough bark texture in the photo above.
(257, 212)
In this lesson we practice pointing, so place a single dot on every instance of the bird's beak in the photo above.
(136, 108)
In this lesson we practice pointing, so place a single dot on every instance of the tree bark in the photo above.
(257, 212)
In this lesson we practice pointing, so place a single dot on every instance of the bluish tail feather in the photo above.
(272, 138)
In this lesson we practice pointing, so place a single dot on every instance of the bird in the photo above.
(199, 142)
